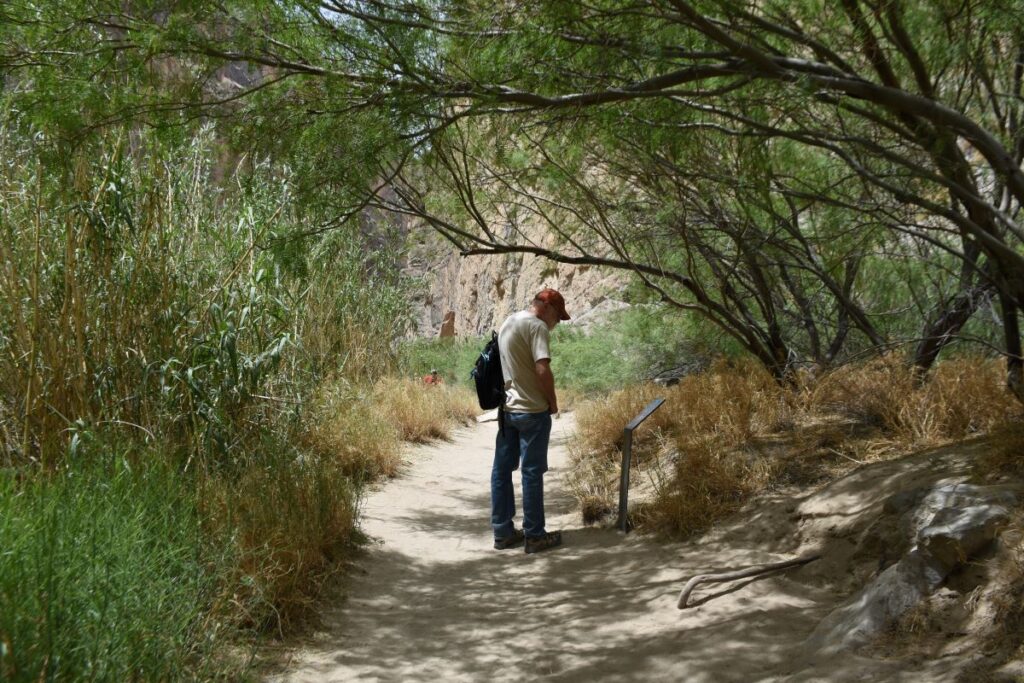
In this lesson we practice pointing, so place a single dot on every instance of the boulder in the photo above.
(928, 502)
(881, 602)
(956, 534)
(947, 525)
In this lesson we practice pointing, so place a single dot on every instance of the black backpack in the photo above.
(486, 374)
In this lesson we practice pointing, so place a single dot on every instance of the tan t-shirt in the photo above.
(522, 341)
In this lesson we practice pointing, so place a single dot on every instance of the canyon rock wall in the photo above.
(483, 290)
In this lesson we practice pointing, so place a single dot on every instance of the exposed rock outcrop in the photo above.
(447, 325)
(923, 533)
(483, 290)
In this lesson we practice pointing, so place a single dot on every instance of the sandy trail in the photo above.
(430, 600)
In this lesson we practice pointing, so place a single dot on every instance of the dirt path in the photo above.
(432, 601)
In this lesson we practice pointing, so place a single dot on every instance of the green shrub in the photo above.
(590, 363)
(631, 346)
(453, 358)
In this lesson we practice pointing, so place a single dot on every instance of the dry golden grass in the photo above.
(285, 525)
(962, 397)
(872, 391)
(423, 412)
(702, 419)
(351, 433)
(600, 422)
(362, 433)
(733, 431)
(732, 400)
(1006, 456)
(594, 454)
(593, 478)
(711, 480)
(822, 448)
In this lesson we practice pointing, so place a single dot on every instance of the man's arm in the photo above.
(547, 383)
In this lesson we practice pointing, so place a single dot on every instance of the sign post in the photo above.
(627, 455)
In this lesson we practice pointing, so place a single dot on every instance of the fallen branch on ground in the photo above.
(684, 595)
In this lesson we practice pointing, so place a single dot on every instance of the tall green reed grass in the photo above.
(148, 307)
(102, 574)
(138, 292)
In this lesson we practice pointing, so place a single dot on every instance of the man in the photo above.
(432, 379)
(530, 402)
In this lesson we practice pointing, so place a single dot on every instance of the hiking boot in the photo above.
(509, 541)
(552, 539)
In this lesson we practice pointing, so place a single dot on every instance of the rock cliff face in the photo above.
(483, 290)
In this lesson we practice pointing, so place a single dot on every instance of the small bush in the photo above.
(600, 422)
(593, 362)
(711, 480)
(962, 396)
(731, 400)
(593, 476)
(872, 391)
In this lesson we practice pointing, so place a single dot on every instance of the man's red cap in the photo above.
(553, 298)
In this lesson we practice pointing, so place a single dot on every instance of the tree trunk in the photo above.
(1014, 358)
(942, 330)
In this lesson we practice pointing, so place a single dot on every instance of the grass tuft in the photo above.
(963, 396)
(284, 527)
(710, 481)
(421, 412)
(347, 431)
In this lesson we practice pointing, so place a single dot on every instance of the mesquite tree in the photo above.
(920, 102)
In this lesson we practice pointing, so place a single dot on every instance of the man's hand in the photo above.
(547, 383)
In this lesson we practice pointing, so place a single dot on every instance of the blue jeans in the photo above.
(525, 440)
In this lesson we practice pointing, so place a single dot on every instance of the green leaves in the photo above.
(791, 136)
